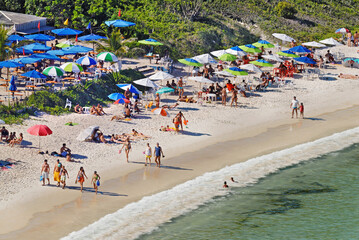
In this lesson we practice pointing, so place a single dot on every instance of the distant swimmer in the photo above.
(232, 179)
(225, 185)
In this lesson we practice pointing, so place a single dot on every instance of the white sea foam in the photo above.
(147, 214)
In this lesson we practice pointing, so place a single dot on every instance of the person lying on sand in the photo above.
(126, 115)
(136, 134)
(117, 138)
(186, 99)
(16, 140)
(166, 129)
(102, 137)
(348, 76)
(170, 107)
(78, 109)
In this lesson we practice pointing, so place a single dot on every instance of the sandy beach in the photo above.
(215, 134)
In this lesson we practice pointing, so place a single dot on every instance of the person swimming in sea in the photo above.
(225, 185)
(232, 179)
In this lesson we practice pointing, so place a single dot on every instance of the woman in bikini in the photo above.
(95, 181)
(16, 140)
(176, 122)
(81, 177)
(127, 146)
(148, 154)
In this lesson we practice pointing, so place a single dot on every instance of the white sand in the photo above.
(208, 123)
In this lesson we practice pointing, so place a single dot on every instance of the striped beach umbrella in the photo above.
(236, 71)
(71, 67)
(227, 57)
(263, 43)
(249, 48)
(87, 61)
(287, 53)
(190, 62)
(53, 71)
(160, 111)
(107, 57)
(262, 63)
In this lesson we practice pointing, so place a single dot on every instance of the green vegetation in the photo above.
(285, 9)
(87, 94)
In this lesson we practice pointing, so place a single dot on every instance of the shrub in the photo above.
(285, 9)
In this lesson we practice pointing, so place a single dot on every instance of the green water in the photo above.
(317, 199)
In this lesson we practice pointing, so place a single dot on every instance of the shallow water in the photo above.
(316, 199)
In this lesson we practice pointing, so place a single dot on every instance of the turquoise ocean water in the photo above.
(315, 199)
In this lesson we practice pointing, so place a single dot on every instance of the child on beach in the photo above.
(301, 110)
(96, 181)
(148, 154)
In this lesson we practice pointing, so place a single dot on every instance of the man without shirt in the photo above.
(294, 105)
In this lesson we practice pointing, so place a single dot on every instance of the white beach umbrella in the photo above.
(251, 67)
(331, 41)
(205, 59)
(160, 75)
(200, 79)
(235, 52)
(224, 73)
(273, 58)
(313, 44)
(218, 53)
(2, 121)
(146, 82)
(283, 37)
(86, 134)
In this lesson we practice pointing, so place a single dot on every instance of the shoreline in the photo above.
(89, 205)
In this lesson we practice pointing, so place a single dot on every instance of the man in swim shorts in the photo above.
(63, 175)
(45, 170)
(294, 105)
(65, 152)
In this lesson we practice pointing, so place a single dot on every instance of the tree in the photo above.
(5, 50)
(285, 9)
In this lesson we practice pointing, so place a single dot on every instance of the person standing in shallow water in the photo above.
(95, 181)
(45, 171)
(81, 177)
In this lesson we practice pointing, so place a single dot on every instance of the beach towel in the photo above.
(71, 124)
(57, 176)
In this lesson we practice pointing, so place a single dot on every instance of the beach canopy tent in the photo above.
(283, 37)
(34, 74)
(351, 62)
(287, 53)
(251, 67)
(165, 90)
(275, 58)
(262, 63)
(15, 37)
(116, 96)
(146, 82)
(306, 60)
(27, 60)
(263, 43)
(205, 59)
(200, 79)
(235, 51)
(249, 48)
(91, 37)
(71, 67)
(314, 44)
(132, 88)
(236, 71)
(45, 56)
(40, 37)
(160, 75)
(77, 49)
(227, 57)
(119, 23)
(66, 31)
(150, 41)
(190, 62)
(107, 57)
(218, 53)
(36, 47)
(86, 61)
(300, 49)
(331, 41)
(85, 135)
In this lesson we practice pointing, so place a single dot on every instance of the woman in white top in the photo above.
(148, 154)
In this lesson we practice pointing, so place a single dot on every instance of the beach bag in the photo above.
(41, 178)
(98, 183)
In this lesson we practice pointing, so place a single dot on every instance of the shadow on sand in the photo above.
(164, 166)
(91, 190)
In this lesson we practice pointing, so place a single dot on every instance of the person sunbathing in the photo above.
(116, 138)
(93, 111)
(16, 140)
(126, 115)
(136, 134)
(100, 110)
(102, 137)
(65, 152)
(165, 129)
(78, 109)
(170, 107)
(186, 99)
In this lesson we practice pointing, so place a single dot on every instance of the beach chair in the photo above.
(68, 103)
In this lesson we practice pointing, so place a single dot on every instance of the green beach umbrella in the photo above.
(249, 48)
(150, 41)
(287, 54)
(190, 62)
(263, 43)
(227, 57)
(72, 67)
(64, 44)
(262, 63)
(236, 71)
(53, 71)
(165, 90)
(107, 57)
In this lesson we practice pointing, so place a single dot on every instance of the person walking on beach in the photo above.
(95, 181)
(63, 175)
(234, 97)
(57, 170)
(294, 106)
(224, 95)
(158, 152)
(301, 110)
(176, 122)
(45, 171)
(127, 146)
(81, 177)
(148, 154)
(180, 116)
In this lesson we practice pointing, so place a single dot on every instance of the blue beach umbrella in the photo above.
(40, 37)
(132, 88)
(236, 71)
(23, 50)
(165, 90)
(119, 23)
(87, 61)
(91, 37)
(36, 47)
(66, 31)
(77, 49)
(12, 86)
(27, 60)
(15, 38)
(300, 49)
(306, 60)
(46, 56)
(116, 96)
(10, 64)
(60, 52)
(34, 74)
